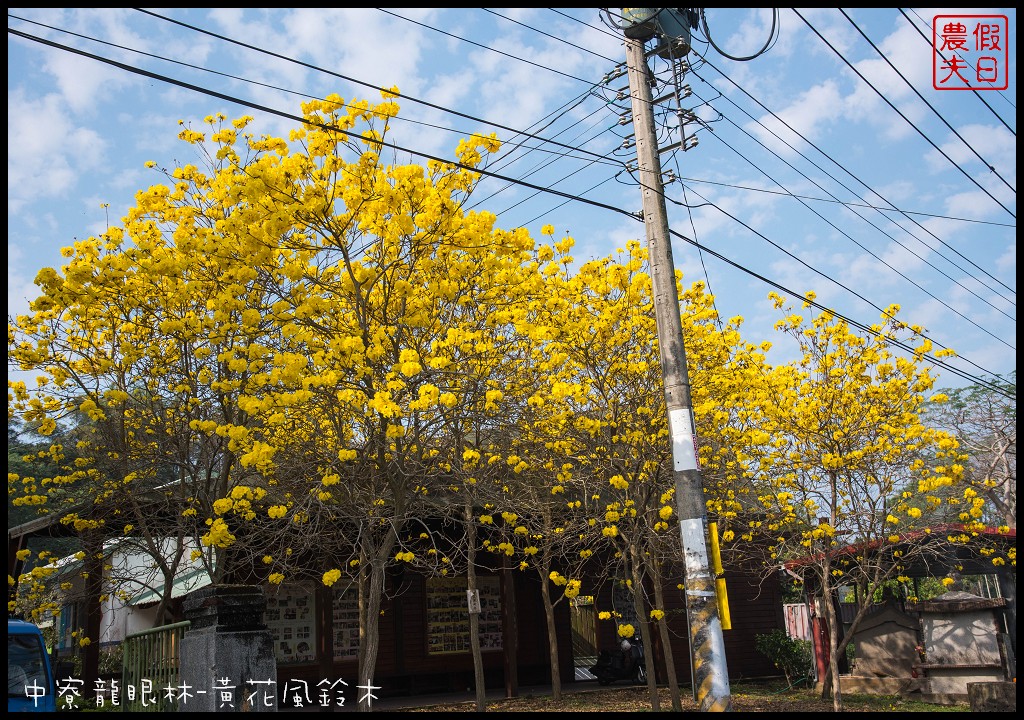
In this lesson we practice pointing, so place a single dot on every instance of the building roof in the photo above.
(182, 585)
(949, 556)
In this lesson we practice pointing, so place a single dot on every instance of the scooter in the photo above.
(627, 664)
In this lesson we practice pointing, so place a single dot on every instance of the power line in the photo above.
(358, 82)
(846, 203)
(976, 93)
(289, 116)
(772, 37)
(850, 238)
(844, 287)
(866, 186)
(542, 165)
(568, 196)
(473, 42)
(865, 249)
(586, 24)
(979, 380)
(982, 381)
(841, 285)
(545, 34)
(555, 114)
(580, 198)
(898, 112)
(505, 142)
(952, 129)
(892, 238)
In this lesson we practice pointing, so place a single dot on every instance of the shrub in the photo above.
(793, 657)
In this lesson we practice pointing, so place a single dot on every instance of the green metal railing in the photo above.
(150, 672)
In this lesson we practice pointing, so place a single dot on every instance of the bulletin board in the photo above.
(448, 615)
(292, 624)
(346, 623)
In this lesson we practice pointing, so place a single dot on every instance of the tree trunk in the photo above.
(370, 645)
(833, 643)
(549, 616)
(642, 616)
(474, 617)
(670, 663)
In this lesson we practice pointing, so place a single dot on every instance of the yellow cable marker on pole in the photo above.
(716, 567)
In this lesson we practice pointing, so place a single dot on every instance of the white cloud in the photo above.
(20, 289)
(976, 205)
(750, 36)
(1007, 261)
(46, 153)
(994, 143)
(818, 106)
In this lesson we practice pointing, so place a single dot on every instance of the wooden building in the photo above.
(424, 640)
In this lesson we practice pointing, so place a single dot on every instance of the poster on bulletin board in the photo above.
(292, 624)
(448, 614)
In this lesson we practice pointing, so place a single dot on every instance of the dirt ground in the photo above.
(743, 698)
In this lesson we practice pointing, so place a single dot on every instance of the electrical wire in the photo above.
(851, 291)
(952, 129)
(463, 133)
(549, 35)
(900, 113)
(977, 380)
(976, 93)
(815, 270)
(905, 277)
(772, 37)
(678, 72)
(845, 203)
(504, 142)
(351, 79)
(485, 47)
(862, 247)
(842, 232)
(586, 24)
(566, 202)
(864, 184)
(289, 116)
(544, 164)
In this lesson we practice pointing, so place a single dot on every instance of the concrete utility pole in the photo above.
(707, 649)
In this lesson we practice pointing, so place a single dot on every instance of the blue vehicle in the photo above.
(30, 683)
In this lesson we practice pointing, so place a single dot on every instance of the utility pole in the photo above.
(707, 648)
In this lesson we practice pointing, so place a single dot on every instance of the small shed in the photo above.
(886, 642)
(964, 642)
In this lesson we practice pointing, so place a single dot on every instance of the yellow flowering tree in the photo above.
(608, 337)
(847, 471)
(394, 304)
(284, 331)
(142, 342)
(537, 519)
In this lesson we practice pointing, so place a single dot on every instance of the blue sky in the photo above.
(819, 167)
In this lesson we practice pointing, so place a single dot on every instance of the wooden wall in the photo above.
(404, 667)
(756, 608)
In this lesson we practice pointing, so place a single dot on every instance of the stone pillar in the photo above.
(992, 696)
(227, 654)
